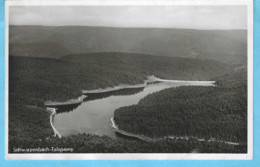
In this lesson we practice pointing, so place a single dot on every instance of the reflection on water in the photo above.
(94, 114)
(67, 108)
(94, 96)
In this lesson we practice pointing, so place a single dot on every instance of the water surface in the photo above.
(94, 114)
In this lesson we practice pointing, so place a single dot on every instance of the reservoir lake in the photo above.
(94, 114)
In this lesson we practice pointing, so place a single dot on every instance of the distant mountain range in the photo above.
(229, 46)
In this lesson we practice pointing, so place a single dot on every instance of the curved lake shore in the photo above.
(150, 79)
(53, 112)
(93, 115)
(149, 139)
(69, 102)
(131, 135)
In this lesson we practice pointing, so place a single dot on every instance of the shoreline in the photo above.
(53, 112)
(150, 79)
(149, 139)
(114, 123)
(69, 102)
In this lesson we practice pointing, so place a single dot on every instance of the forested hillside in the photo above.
(228, 46)
(35, 80)
(32, 81)
(204, 112)
(87, 143)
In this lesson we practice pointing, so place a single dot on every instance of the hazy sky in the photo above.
(190, 17)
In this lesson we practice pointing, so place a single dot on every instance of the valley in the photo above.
(33, 81)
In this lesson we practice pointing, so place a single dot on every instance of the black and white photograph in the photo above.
(119, 80)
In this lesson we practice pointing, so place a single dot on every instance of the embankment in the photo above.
(149, 139)
(53, 112)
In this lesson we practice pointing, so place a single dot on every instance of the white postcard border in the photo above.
(133, 156)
